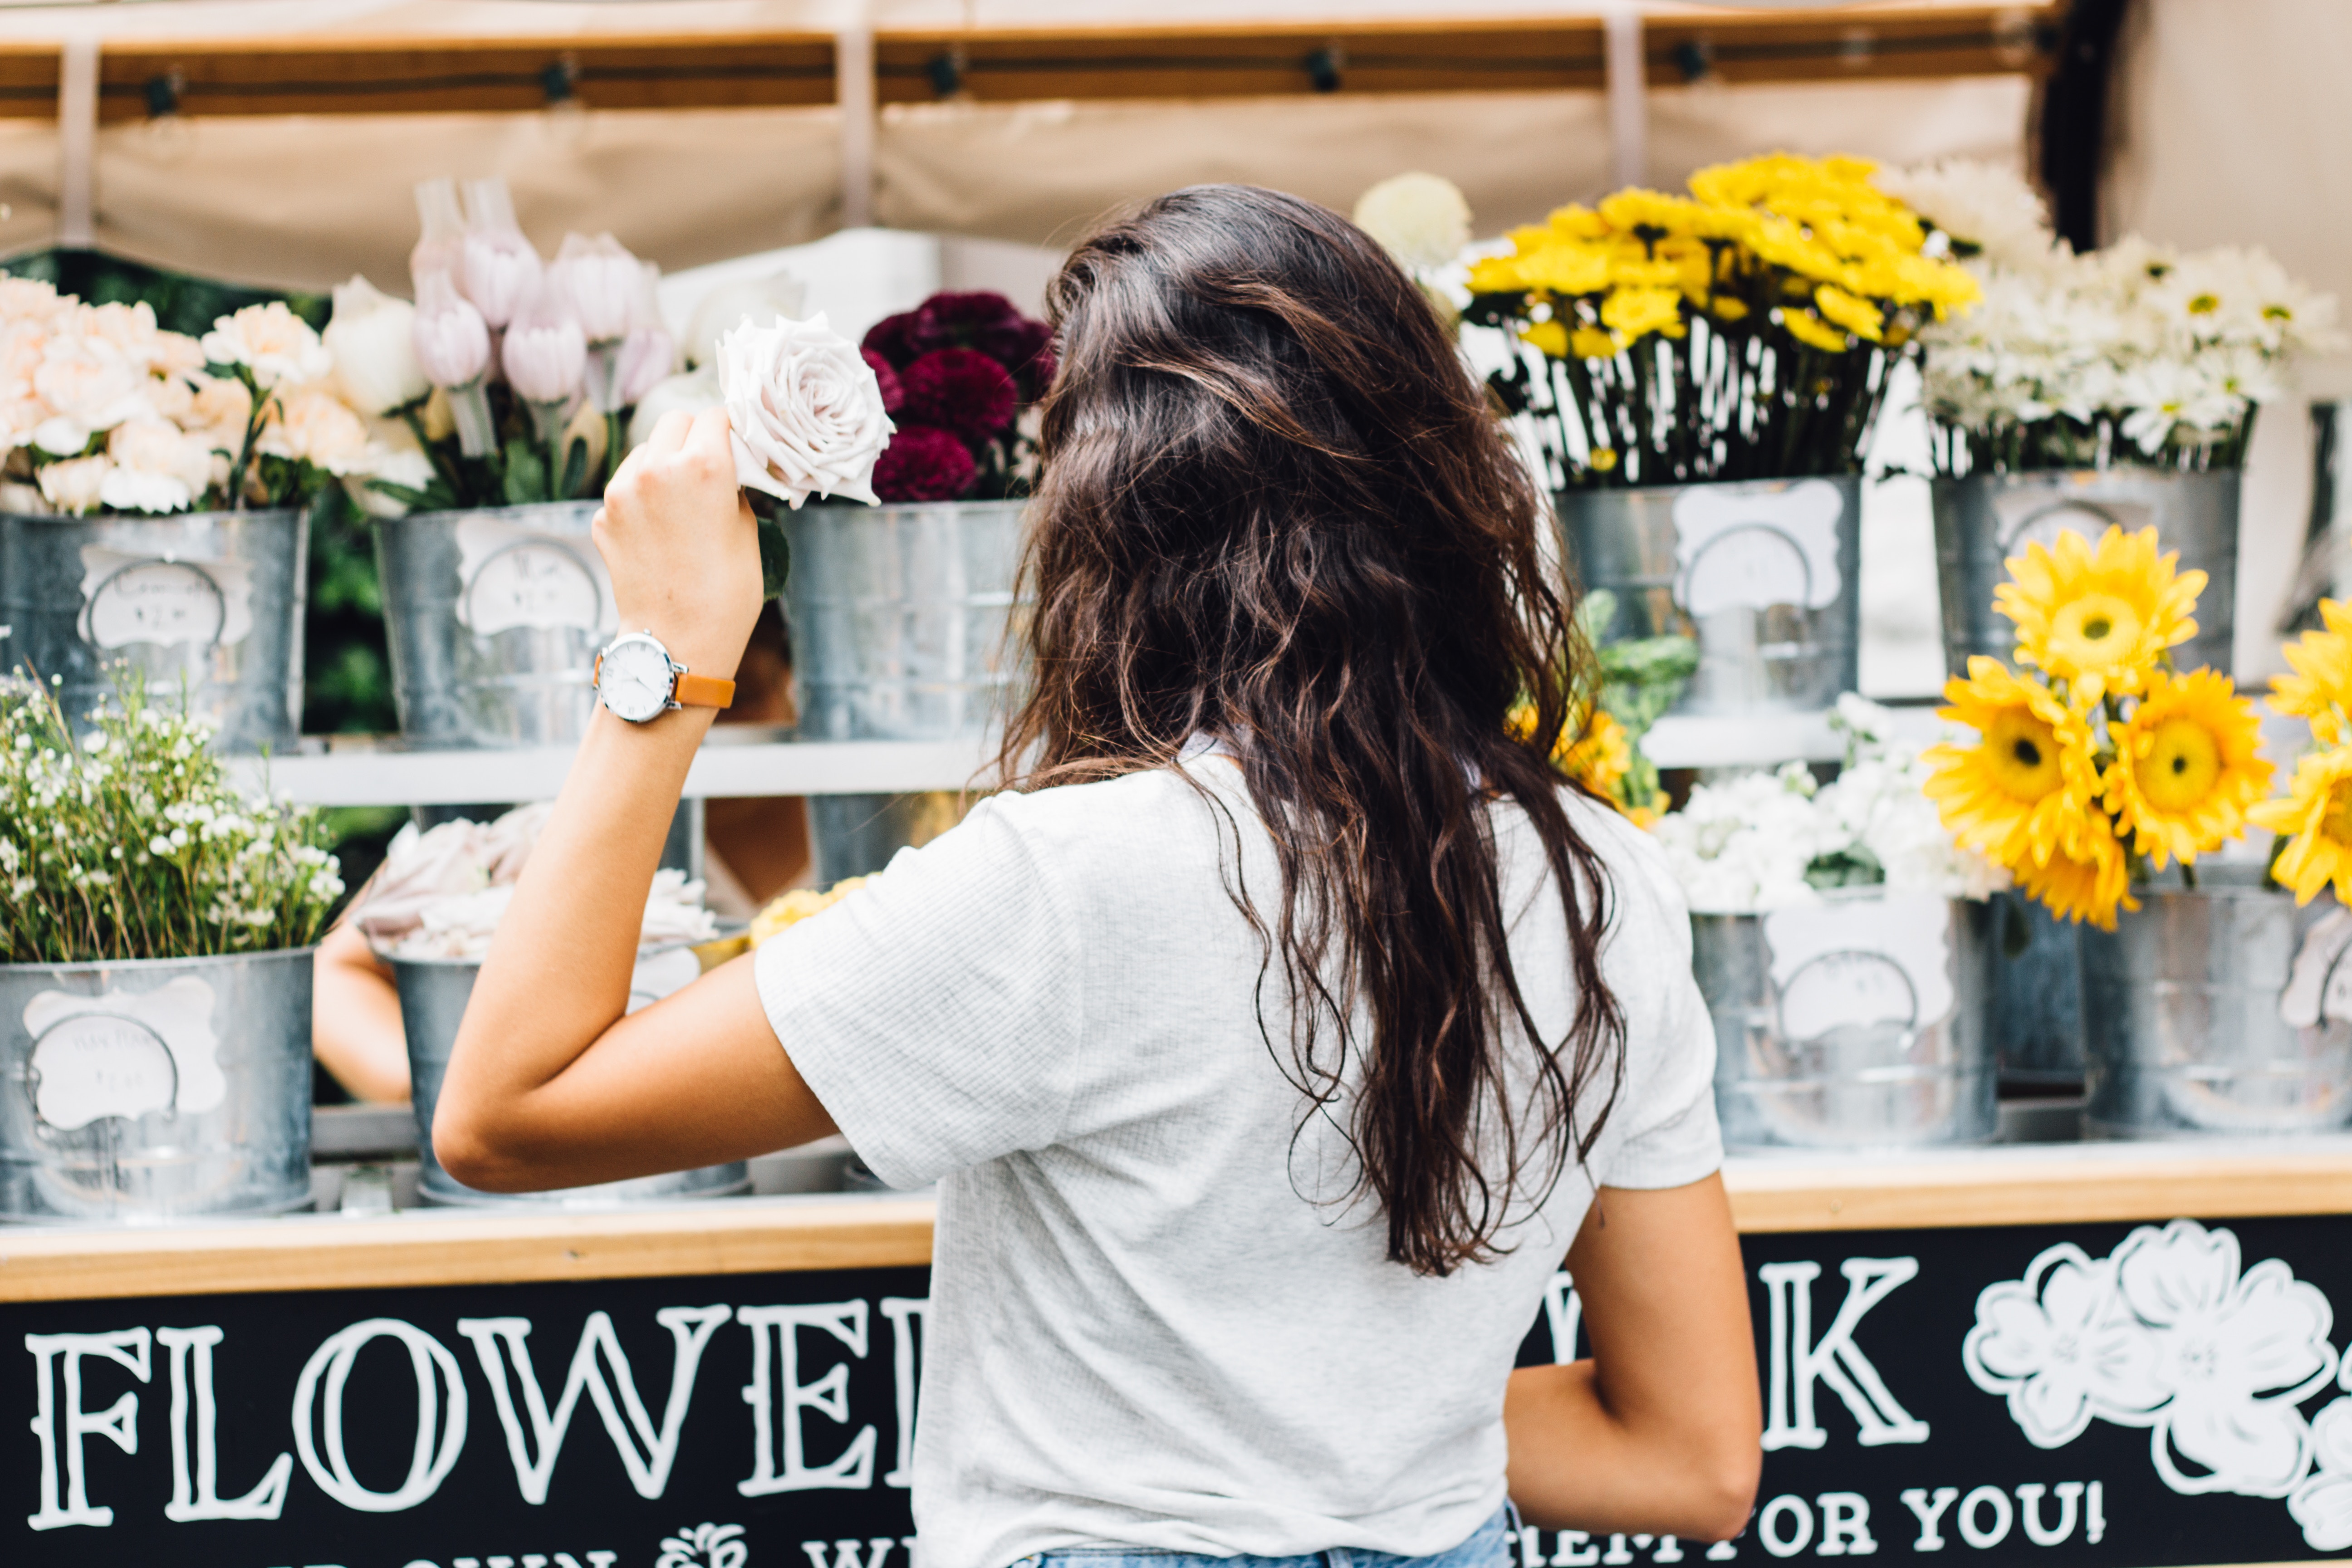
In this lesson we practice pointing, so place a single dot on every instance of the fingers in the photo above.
(671, 430)
(708, 438)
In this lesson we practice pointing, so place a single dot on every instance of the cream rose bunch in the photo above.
(804, 410)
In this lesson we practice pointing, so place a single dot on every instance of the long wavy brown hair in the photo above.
(1278, 512)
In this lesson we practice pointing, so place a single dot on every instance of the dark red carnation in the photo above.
(923, 463)
(1034, 366)
(979, 320)
(891, 338)
(962, 390)
(893, 395)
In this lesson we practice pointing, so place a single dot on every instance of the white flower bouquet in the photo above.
(2133, 353)
(126, 840)
(102, 410)
(1772, 840)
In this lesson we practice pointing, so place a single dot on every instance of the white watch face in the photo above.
(635, 679)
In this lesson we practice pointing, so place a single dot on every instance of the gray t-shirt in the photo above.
(1155, 1321)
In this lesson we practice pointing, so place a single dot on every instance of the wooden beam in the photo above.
(402, 75)
(753, 71)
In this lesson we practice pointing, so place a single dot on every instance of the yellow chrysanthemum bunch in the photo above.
(2313, 820)
(2106, 757)
(1804, 254)
(1593, 748)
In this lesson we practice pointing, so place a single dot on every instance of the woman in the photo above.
(1274, 1040)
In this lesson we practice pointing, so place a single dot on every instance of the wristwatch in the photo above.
(637, 681)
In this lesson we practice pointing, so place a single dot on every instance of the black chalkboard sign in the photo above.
(2134, 1395)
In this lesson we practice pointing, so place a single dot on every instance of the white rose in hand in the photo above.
(803, 410)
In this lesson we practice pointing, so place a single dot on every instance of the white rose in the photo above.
(74, 486)
(804, 410)
(372, 338)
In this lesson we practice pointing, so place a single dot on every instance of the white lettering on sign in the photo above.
(647, 1452)
(1929, 1514)
(1785, 1525)
(1974, 1530)
(773, 1430)
(1563, 1314)
(167, 601)
(195, 1420)
(1845, 1525)
(1757, 548)
(440, 1395)
(118, 1423)
(846, 1553)
(904, 1313)
(512, 576)
(1860, 963)
(1799, 1361)
(109, 1066)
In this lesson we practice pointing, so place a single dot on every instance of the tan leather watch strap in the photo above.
(702, 692)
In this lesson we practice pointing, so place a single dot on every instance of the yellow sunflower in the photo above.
(2098, 619)
(2320, 690)
(2315, 818)
(2185, 769)
(2021, 792)
(2085, 882)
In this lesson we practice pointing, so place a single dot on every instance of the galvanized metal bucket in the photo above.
(494, 617)
(432, 997)
(2219, 1010)
(1855, 1023)
(1984, 518)
(2036, 1004)
(209, 603)
(1766, 574)
(156, 1089)
(902, 630)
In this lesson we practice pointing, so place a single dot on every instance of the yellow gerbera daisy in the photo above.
(2185, 769)
(2087, 882)
(2316, 817)
(2021, 792)
(1808, 328)
(2098, 619)
(2320, 690)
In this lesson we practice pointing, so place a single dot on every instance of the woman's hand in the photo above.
(681, 545)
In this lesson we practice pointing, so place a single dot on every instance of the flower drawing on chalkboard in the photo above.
(2169, 1333)
(704, 1546)
(2238, 1353)
(2062, 1344)
(2322, 1501)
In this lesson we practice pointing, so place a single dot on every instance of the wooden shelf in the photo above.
(2044, 1185)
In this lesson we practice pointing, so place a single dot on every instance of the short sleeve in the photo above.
(1671, 1136)
(934, 1012)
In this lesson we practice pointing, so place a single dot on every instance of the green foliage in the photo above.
(127, 839)
(347, 665)
(180, 303)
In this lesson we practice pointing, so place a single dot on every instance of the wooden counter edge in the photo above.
(461, 1248)
(2149, 1182)
(1991, 1187)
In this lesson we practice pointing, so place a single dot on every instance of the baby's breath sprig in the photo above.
(124, 838)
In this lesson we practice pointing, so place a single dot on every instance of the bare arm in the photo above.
(548, 1085)
(1660, 1430)
(355, 1018)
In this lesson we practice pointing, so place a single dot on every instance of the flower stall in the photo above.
(2099, 1332)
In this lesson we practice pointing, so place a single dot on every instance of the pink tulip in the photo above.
(546, 355)
(453, 342)
(500, 266)
(601, 279)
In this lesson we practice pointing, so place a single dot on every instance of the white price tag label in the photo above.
(166, 601)
(97, 1063)
(510, 577)
(1862, 962)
